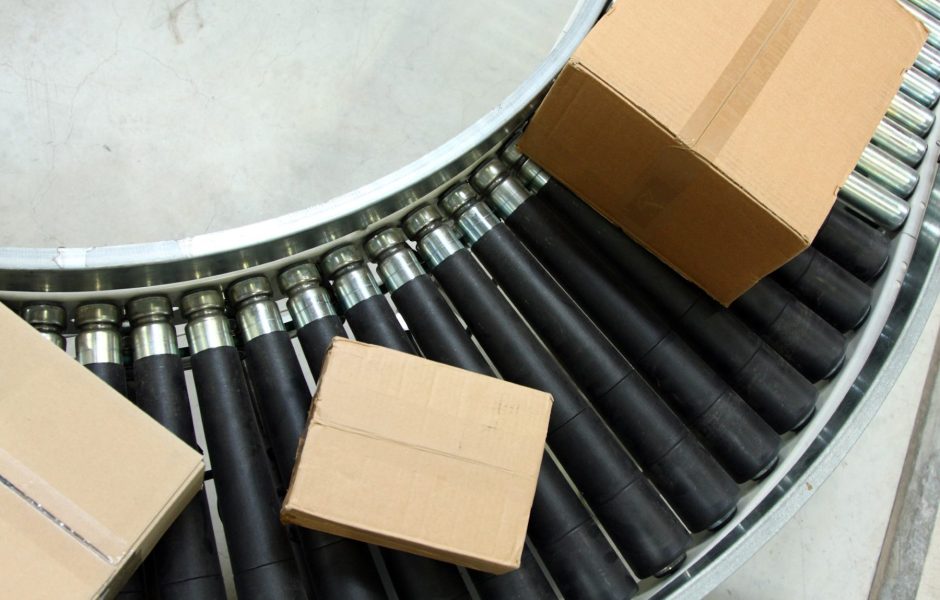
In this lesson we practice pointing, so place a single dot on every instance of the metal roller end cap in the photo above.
(149, 307)
(51, 315)
(530, 172)
(416, 222)
(510, 153)
(488, 174)
(98, 313)
(245, 289)
(194, 302)
(340, 258)
(665, 571)
(299, 274)
(457, 198)
(384, 240)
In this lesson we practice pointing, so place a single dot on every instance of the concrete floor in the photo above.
(140, 122)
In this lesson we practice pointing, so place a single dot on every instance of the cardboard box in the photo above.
(717, 132)
(88, 482)
(419, 456)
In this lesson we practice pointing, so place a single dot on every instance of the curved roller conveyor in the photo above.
(693, 418)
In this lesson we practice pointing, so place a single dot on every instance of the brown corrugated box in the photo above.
(716, 133)
(88, 482)
(419, 456)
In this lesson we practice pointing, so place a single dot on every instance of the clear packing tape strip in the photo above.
(18, 479)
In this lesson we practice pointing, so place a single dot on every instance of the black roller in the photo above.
(262, 559)
(203, 588)
(831, 291)
(525, 583)
(111, 373)
(281, 393)
(702, 494)
(443, 339)
(582, 562)
(315, 340)
(745, 445)
(857, 247)
(766, 381)
(424, 578)
(136, 587)
(340, 568)
(160, 390)
(648, 535)
(373, 321)
(775, 389)
(186, 560)
(803, 339)
(799, 335)
(435, 327)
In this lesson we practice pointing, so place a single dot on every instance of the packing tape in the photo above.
(735, 90)
(720, 112)
(46, 499)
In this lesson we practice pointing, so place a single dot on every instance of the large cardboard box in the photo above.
(418, 456)
(88, 482)
(717, 132)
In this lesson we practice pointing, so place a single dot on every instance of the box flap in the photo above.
(100, 477)
(420, 456)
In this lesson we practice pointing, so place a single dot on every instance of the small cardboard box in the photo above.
(717, 132)
(88, 482)
(418, 456)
